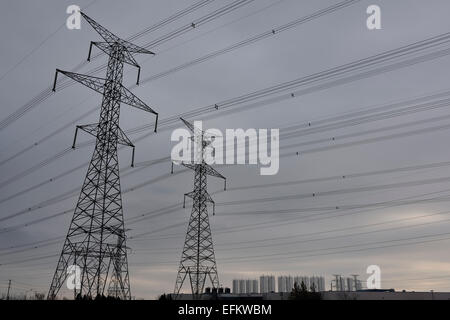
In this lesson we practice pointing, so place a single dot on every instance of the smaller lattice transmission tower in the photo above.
(96, 243)
(198, 262)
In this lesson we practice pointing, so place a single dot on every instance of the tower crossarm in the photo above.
(98, 84)
(89, 128)
(213, 172)
(193, 194)
(93, 128)
(207, 169)
(130, 99)
(95, 83)
(108, 48)
(126, 57)
(111, 38)
(201, 135)
(123, 139)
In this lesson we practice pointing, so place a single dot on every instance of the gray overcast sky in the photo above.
(329, 41)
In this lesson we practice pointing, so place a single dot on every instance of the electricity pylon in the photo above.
(198, 260)
(97, 224)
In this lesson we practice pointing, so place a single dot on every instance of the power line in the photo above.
(144, 32)
(270, 33)
(91, 111)
(294, 254)
(28, 247)
(181, 31)
(376, 139)
(317, 215)
(69, 194)
(165, 210)
(302, 255)
(338, 236)
(49, 136)
(348, 228)
(227, 246)
(345, 176)
(377, 116)
(364, 117)
(172, 18)
(207, 18)
(358, 65)
(399, 135)
(46, 93)
(252, 258)
(66, 196)
(40, 45)
(72, 192)
(337, 191)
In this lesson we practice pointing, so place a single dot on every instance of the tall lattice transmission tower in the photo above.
(198, 261)
(96, 240)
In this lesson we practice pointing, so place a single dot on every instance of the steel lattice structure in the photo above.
(119, 285)
(96, 240)
(198, 261)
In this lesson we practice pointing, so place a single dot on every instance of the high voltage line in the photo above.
(157, 161)
(152, 162)
(270, 224)
(25, 57)
(331, 73)
(177, 207)
(46, 93)
(166, 158)
(407, 51)
(147, 30)
(174, 17)
(376, 139)
(373, 224)
(316, 217)
(335, 138)
(426, 56)
(272, 32)
(343, 177)
(185, 28)
(294, 254)
(338, 191)
(72, 192)
(268, 257)
(385, 115)
(338, 236)
(226, 246)
(330, 208)
(227, 230)
(163, 51)
(311, 128)
(176, 33)
(344, 229)
(37, 245)
(45, 163)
